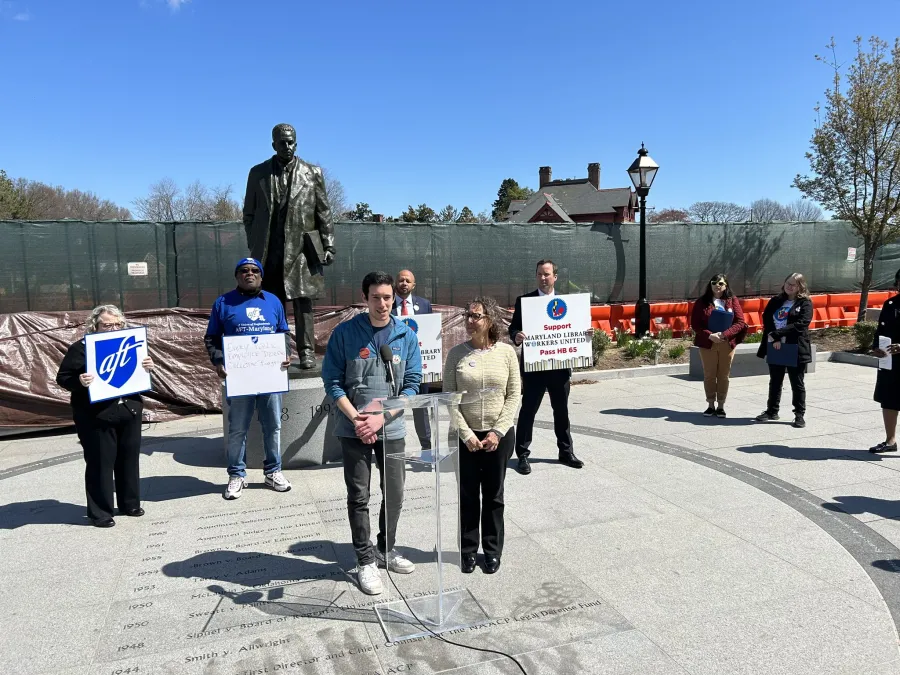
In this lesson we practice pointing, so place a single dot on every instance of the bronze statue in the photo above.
(289, 229)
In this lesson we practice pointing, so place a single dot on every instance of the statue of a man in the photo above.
(289, 229)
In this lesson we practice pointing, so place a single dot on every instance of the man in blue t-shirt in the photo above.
(249, 310)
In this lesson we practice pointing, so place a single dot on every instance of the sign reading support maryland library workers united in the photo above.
(427, 328)
(253, 364)
(114, 359)
(556, 327)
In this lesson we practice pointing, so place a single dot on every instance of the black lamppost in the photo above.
(643, 171)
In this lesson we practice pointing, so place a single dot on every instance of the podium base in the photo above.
(454, 610)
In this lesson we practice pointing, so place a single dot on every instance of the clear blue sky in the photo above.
(411, 102)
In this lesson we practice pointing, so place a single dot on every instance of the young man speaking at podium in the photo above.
(355, 372)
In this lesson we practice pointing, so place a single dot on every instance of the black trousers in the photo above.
(556, 383)
(358, 477)
(481, 477)
(420, 420)
(798, 388)
(111, 454)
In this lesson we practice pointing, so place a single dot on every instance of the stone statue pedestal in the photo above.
(307, 423)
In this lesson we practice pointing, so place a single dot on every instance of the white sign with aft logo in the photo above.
(427, 328)
(114, 359)
(253, 364)
(556, 327)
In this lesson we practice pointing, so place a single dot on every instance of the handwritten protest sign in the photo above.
(253, 364)
(556, 328)
(114, 359)
(427, 328)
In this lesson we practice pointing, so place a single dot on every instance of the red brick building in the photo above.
(577, 200)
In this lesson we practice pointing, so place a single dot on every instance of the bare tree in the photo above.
(39, 201)
(803, 210)
(484, 217)
(166, 202)
(767, 210)
(160, 204)
(337, 196)
(448, 214)
(718, 212)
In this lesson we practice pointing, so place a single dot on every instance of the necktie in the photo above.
(403, 310)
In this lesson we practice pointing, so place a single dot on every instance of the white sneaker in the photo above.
(396, 562)
(278, 482)
(235, 487)
(369, 579)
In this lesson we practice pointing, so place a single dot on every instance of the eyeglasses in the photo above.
(474, 316)
(248, 270)
(720, 283)
(117, 324)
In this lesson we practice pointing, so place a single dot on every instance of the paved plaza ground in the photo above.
(685, 545)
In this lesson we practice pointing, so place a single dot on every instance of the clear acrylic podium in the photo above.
(426, 527)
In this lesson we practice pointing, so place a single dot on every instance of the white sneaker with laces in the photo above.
(235, 487)
(396, 562)
(278, 482)
(369, 579)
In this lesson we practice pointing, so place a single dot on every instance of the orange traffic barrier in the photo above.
(878, 298)
(843, 308)
(834, 309)
(820, 312)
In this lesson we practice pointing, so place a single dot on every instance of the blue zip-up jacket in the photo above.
(346, 372)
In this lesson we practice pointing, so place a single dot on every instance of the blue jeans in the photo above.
(240, 414)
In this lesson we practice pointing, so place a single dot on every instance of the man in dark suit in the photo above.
(407, 304)
(554, 382)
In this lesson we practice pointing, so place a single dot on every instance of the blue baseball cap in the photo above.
(249, 261)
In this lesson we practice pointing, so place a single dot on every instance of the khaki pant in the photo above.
(716, 370)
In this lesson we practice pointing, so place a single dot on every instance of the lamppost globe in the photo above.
(642, 172)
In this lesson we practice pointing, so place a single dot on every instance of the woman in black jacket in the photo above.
(786, 321)
(887, 386)
(109, 431)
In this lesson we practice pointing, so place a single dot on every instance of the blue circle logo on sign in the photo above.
(556, 309)
(413, 326)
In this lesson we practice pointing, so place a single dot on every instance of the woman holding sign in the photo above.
(785, 346)
(718, 324)
(109, 431)
(487, 437)
(887, 387)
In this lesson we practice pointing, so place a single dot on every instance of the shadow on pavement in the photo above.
(812, 454)
(855, 505)
(293, 590)
(695, 418)
(42, 512)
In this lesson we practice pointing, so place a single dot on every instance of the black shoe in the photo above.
(103, 522)
(720, 413)
(709, 412)
(307, 361)
(491, 564)
(524, 467)
(766, 417)
(135, 513)
(570, 459)
(883, 447)
(468, 563)
(798, 422)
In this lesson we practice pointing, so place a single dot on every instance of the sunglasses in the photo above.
(474, 316)
(248, 270)
(719, 283)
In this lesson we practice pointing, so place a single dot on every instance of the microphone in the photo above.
(387, 357)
